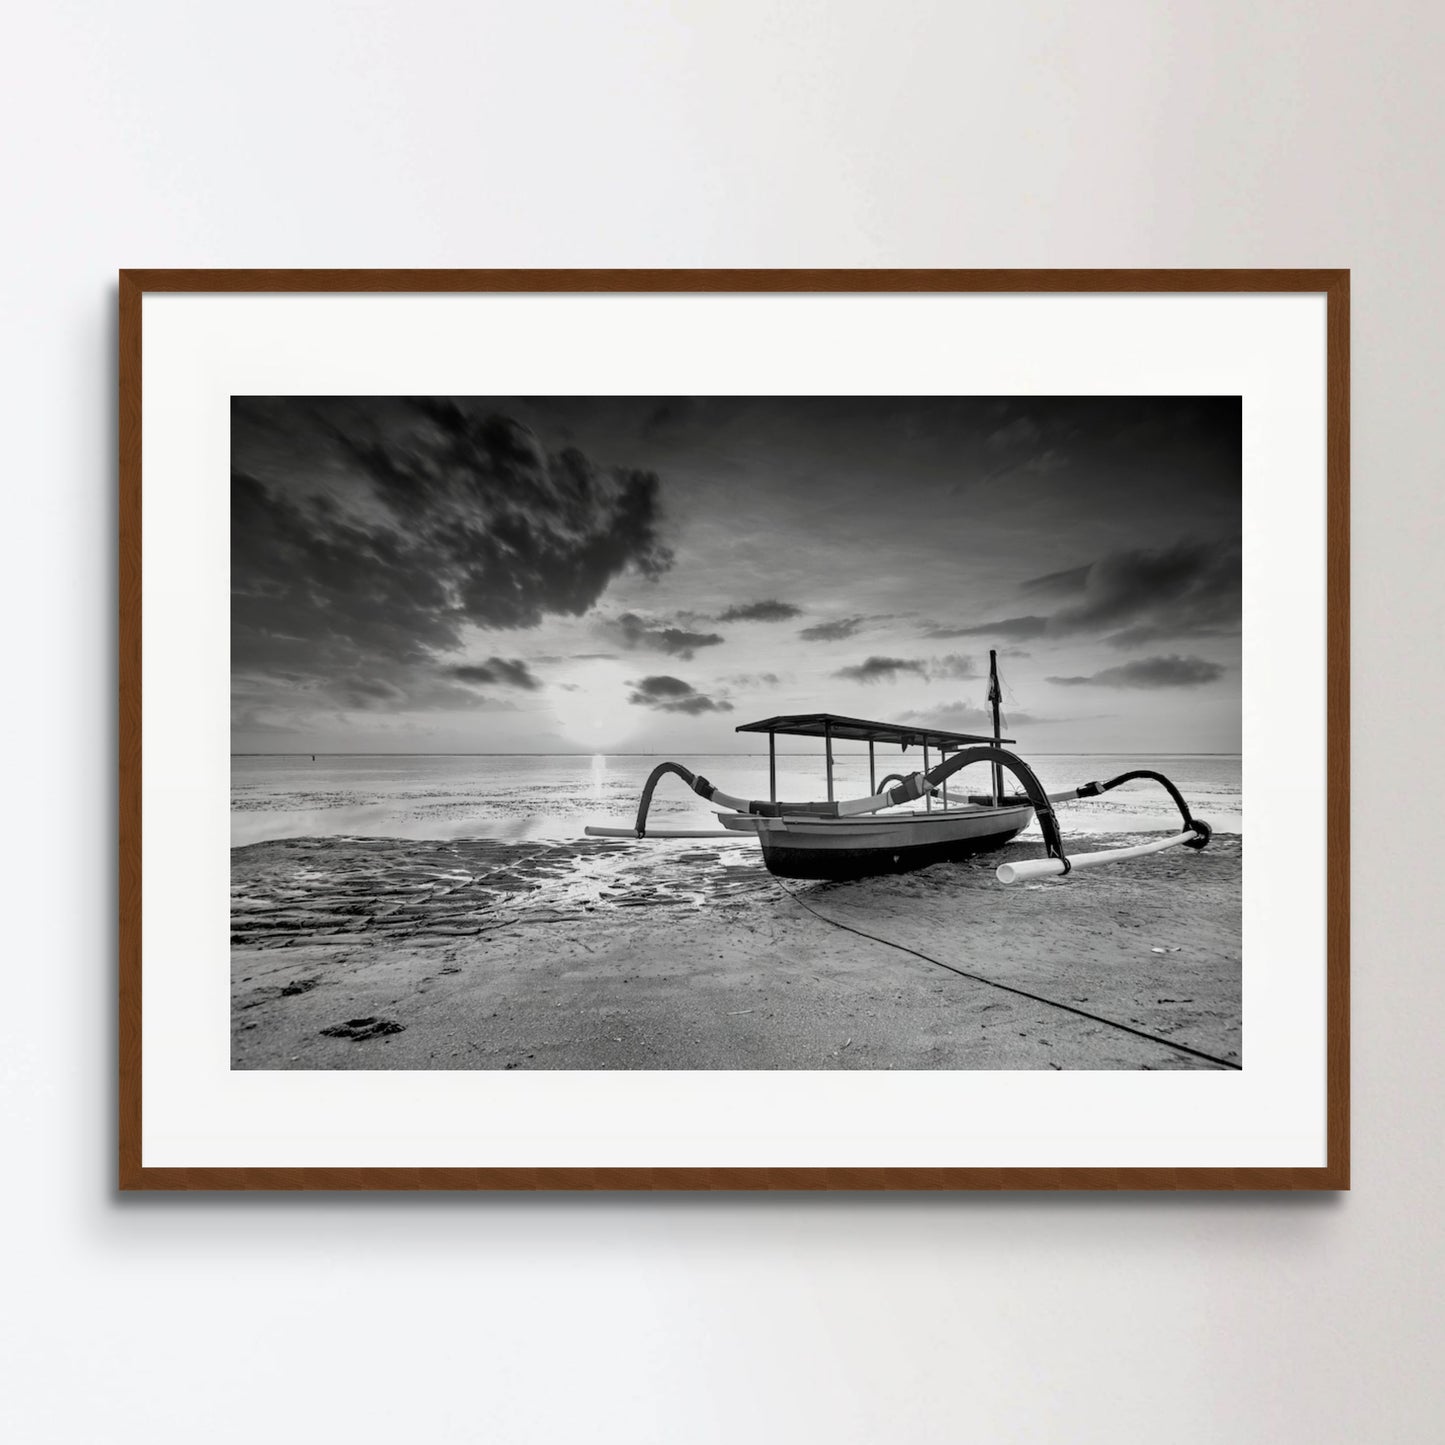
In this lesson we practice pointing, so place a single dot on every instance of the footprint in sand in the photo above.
(360, 1029)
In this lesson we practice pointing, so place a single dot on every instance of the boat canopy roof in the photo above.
(857, 729)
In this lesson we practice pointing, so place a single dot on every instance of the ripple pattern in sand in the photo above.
(301, 890)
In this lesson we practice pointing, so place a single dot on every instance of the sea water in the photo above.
(545, 796)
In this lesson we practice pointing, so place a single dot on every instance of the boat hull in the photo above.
(864, 847)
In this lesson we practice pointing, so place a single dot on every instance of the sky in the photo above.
(635, 574)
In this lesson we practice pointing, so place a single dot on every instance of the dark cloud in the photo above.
(672, 694)
(496, 671)
(1150, 672)
(838, 631)
(680, 642)
(1191, 589)
(697, 704)
(659, 688)
(1137, 596)
(885, 669)
(754, 679)
(366, 535)
(881, 669)
(769, 611)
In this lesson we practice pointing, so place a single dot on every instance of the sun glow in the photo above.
(591, 708)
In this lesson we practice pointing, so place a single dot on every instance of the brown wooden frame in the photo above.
(1334, 1174)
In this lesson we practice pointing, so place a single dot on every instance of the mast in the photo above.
(994, 698)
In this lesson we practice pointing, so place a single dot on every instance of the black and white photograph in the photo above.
(736, 733)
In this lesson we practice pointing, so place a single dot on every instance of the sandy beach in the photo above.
(354, 953)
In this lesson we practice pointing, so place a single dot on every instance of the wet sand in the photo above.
(476, 954)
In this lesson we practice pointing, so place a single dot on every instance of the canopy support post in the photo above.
(772, 768)
(943, 755)
(872, 776)
(928, 796)
(828, 750)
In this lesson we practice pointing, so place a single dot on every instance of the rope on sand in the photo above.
(1020, 992)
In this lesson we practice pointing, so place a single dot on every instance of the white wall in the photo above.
(1029, 134)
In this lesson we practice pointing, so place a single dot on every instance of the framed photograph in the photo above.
(734, 730)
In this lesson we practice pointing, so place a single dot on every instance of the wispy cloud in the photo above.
(496, 671)
(1149, 672)
(839, 631)
(1059, 584)
(963, 717)
(1015, 435)
(754, 679)
(953, 666)
(882, 669)
(366, 692)
(1008, 628)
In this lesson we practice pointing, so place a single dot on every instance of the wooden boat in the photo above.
(862, 837)
(810, 841)
(860, 847)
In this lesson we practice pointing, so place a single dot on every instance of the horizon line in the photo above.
(712, 753)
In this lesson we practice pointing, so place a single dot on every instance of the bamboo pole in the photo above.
(662, 833)
(994, 698)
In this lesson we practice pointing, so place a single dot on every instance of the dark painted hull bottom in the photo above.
(838, 864)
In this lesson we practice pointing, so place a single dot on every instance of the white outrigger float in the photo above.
(858, 837)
